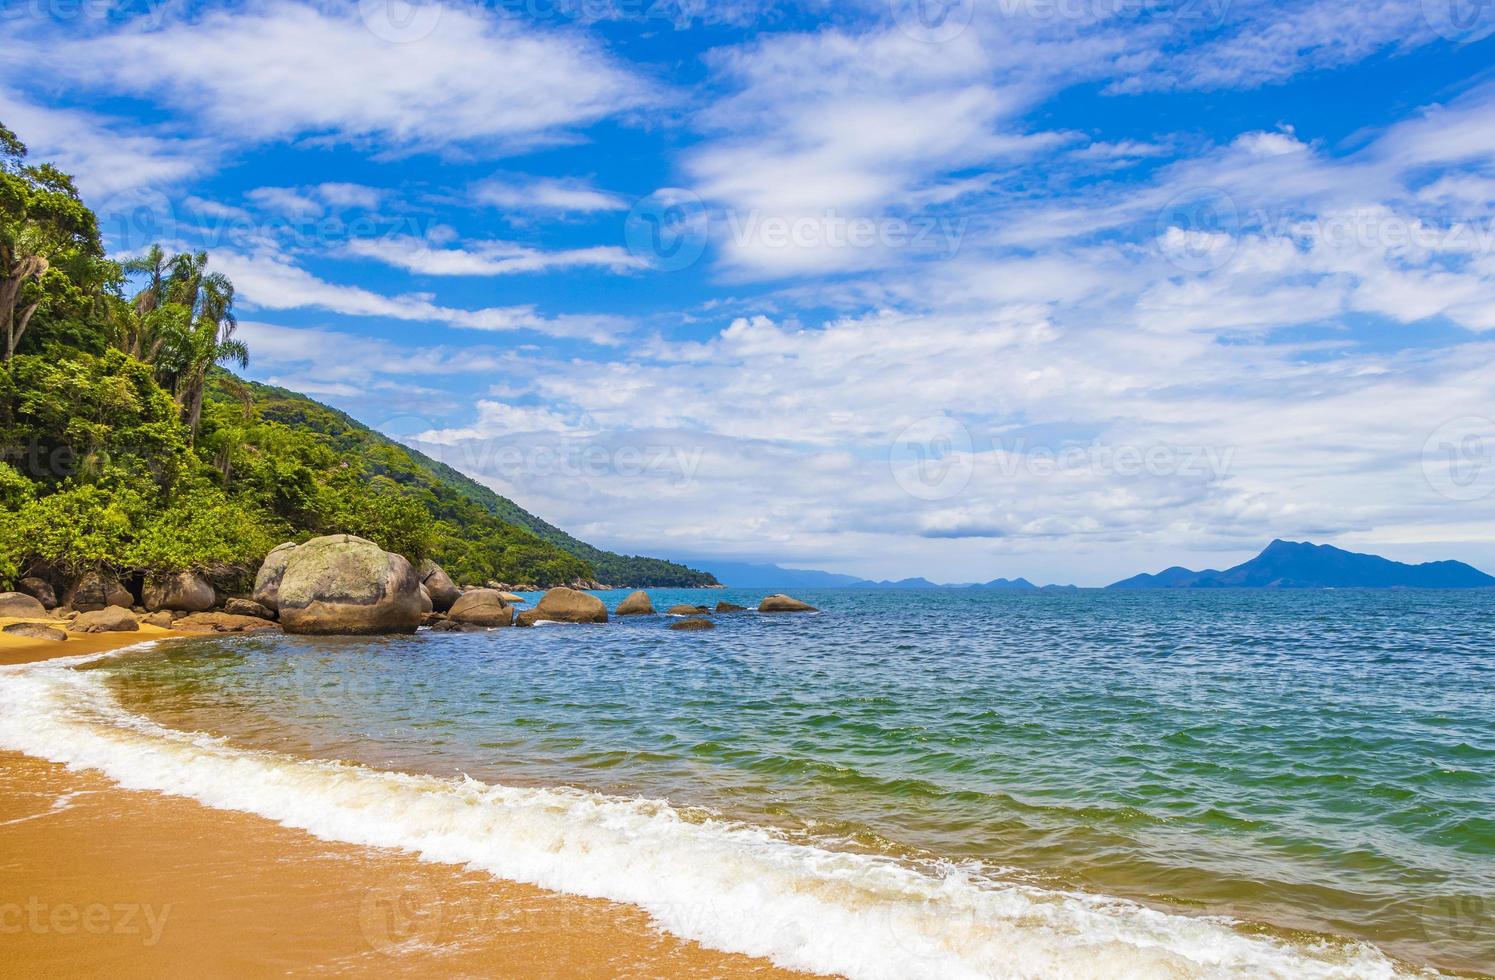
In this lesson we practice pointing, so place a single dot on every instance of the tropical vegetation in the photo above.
(128, 448)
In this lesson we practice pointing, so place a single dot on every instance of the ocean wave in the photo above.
(727, 885)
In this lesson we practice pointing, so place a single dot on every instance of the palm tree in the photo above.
(190, 312)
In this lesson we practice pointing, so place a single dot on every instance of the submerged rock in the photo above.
(39, 589)
(21, 606)
(342, 584)
(563, 605)
(483, 608)
(267, 582)
(112, 619)
(183, 591)
(725, 607)
(693, 624)
(35, 631)
(782, 603)
(637, 604)
(443, 591)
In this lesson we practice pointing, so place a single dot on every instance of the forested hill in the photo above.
(128, 451)
(449, 494)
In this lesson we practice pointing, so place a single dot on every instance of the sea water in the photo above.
(934, 783)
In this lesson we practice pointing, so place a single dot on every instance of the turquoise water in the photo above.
(1307, 763)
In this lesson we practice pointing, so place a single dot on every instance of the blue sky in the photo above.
(1057, 288)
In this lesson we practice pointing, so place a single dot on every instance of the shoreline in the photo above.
(390, 920)
(99, 878)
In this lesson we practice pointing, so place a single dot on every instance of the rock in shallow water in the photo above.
(342, 584)
(482, 607)
(726, 607)
(782, 603)
(693, 624)
(563, 605)
(637, 604)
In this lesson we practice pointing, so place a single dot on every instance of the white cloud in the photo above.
(281, 70)
(108, 157)
(270, 282)
(491, 258)
(520, 193)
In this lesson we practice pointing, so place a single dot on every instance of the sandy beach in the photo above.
(105, 881)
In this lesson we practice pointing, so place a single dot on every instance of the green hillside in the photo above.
(455, 498)
(128, 449)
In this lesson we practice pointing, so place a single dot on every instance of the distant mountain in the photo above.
(748, 575)
(1302, 565)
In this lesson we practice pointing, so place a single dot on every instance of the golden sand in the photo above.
(102, 881)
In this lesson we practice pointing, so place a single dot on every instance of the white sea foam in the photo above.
(732, 887)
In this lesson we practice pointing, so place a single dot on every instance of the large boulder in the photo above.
(637, 604)
(443, 591)
(267, 582)
(782, 603)
(21, 606)
(112, 619)
(35, 631)
(482, 607)
(217, 622)
(563, 605)
(95, 591)
(247, 607)
(182, 592)
(41, 590)
(347, 585)
(427, 607)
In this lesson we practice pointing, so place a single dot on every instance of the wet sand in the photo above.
(98, 880)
